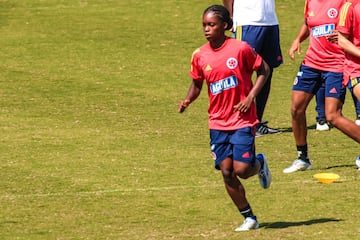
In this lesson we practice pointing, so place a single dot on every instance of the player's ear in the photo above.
(226, 25)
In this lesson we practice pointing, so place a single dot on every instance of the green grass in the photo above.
(92, 146)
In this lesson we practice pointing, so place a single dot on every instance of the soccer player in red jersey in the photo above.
(323, 63)
(349, 40)
(226, 65)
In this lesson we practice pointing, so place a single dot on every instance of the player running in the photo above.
(226, 65)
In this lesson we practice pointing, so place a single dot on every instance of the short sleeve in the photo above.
(196, 72)
(250, 58)
(345, 19)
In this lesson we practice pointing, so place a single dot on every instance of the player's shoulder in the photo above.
(201, 49)
(237, 43)
(355, 3)
(242, 46)
(350, 6)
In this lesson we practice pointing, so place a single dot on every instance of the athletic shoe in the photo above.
(262, 129)
(264, 172)
(358, 162)
(322, 125)
(298, 165)
(249, 223)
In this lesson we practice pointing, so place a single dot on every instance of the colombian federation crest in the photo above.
(332, 13)
(232, 63)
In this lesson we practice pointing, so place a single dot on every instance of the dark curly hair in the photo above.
(222, 13)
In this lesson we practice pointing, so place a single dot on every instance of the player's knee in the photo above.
(228, 176)
(243, 174)
(332, 117)
(296, 112)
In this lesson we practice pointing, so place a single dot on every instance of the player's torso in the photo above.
(228, 82)
(223, 70)
(323, 13)
(322, 18)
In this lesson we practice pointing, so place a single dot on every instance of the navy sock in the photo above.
(247, 212)
(303, 153)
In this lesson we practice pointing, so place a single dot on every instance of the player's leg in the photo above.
(333, 105)
(222, 152)
(246, 164)
(355, 93)
(305, 86)
(321, 124)
(268, 46)
(333, 109)
(299, 103)
(262, 97)
(266, 41)
(233, 185)
(236, 191)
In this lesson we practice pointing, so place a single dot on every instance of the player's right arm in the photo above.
(192, 94)
(296, 45)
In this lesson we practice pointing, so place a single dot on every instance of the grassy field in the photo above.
(92, 146)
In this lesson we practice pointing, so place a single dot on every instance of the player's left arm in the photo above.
(347, 45)
(261, 76)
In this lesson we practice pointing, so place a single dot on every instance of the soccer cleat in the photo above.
(298, 165)
(358, 162)
(262, 129)
(322, 125)
(249, 223)
(264, 172)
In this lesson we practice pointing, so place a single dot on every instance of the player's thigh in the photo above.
(306, 84)
(243, 141)
(300, 100)
(333, 108)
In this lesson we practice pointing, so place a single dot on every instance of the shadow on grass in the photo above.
(340, 166)
(286, 129)
(295, 224)
(289, 129)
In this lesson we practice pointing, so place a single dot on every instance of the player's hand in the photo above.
(243, 106)
(183, 105)
(333, 37)
(295, 47)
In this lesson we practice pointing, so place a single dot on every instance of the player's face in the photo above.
(214, 29)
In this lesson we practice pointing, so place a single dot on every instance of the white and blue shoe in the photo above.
(249, 224)
(264, 172)
(298, 165)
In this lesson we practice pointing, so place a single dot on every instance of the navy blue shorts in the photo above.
(264, 39)
(239, 145)
(310, 80)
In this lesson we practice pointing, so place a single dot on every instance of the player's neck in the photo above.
(218, 43)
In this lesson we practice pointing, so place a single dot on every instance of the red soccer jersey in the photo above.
(349, 24)
(322, 17)
(227, 72)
